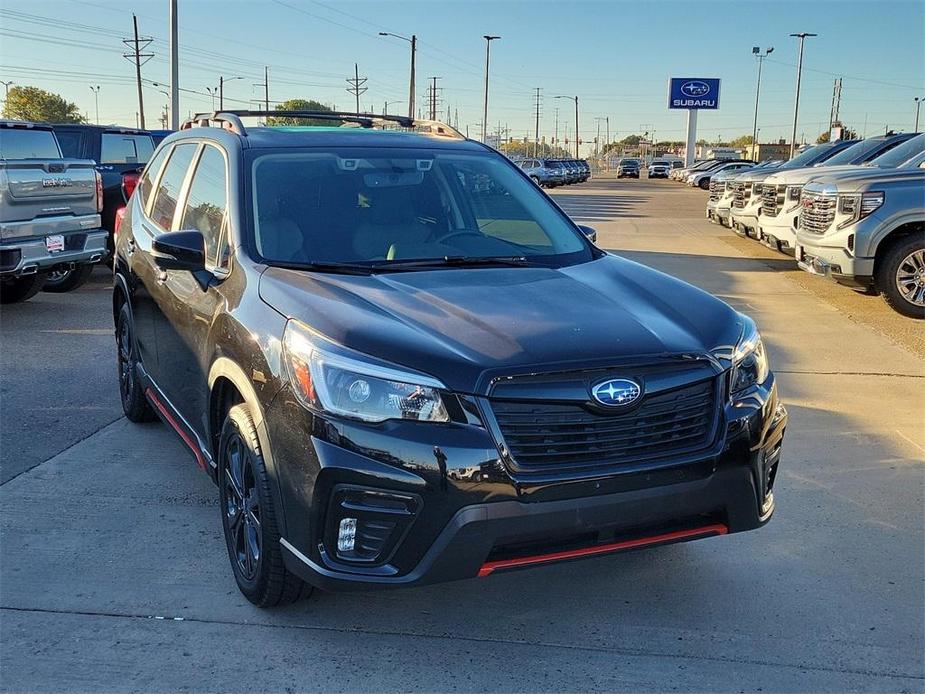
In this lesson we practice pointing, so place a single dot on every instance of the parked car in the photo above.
(659, 168)
(866, 229)
(701, 179)
(120, 154)
(746, 201)
(780, 192)
(628, 168)
(49, 213)
(342, 369)
(681, 174)
(546, 173)
(719, 203)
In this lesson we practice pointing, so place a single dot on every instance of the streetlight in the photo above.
(756, 51)
(96, 99)
(918, 105)
(221, 90)
(575, 98)
(414, 46)
(6, 86)
(385, 106)
(213, 92)
(796, 104)
(488, 40)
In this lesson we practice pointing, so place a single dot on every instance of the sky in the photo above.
(615, 56)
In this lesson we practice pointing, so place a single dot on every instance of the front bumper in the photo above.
(781, 229)
(465, 514)
(744, 222)
(30, 256)
(834, 263)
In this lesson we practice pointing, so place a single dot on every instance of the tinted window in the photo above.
(70, 141)
(19, 143)
(207, 201)
(150, 175)
(165, 201)
(376, 206)
(118, 148)
(902, 153)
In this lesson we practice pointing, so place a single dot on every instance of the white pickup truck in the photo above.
(49, 213)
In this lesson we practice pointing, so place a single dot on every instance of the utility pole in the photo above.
(555, 137)
(536, 133)
(136, 56)
(488, 40)
(836, 105)
(356, 85)
(918, 105)
(756, 51)
(796, 104)
(174, 68)
(266, 88)
(432, 97)
(96, 99)
(577, 138)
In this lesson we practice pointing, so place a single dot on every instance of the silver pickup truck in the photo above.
(866, 229)
(49, 214)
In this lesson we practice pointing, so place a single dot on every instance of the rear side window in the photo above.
(168, 190)
(19, 143)
(70, 141)
(207, 202)
(150, 175)
(119, 148)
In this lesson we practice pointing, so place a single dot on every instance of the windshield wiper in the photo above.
(341, 268)
(457, 261)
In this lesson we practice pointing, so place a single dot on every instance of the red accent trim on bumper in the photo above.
(152, 396)
(704, 531)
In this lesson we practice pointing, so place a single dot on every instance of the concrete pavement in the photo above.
(114, 575)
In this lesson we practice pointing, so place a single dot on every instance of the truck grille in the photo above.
(717, 188)
(741, 192)
(772, 199)
(817, 213)
(544, 436)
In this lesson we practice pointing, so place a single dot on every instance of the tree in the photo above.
(846, 134)
(301, 105)
(631, 140)
(741, 142)
(34, 104)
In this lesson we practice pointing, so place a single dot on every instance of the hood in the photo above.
(803, 175)
(861, 177)
(467, 326)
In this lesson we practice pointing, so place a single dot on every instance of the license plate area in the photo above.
(54, 243)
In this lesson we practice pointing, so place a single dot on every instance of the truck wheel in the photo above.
(61, 281)
(900, 276)
(16, 289)
(134, 404)
(704, 183)
(248, 517)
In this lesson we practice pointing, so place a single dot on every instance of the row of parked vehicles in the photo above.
(550, 173)
(62, 191)
(852, 211)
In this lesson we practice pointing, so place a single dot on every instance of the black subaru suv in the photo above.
(402, 363)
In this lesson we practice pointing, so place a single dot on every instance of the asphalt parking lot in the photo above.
(114, 574)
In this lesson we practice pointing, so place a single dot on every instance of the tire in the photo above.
(14, 290)
(704, 184)
(134, 403)
(68, 280)
(900, 276)
(249, 519)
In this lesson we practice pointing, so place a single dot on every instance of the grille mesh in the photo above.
(817, 213)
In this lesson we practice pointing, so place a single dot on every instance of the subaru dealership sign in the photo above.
(693, 93)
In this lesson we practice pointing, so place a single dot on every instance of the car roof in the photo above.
(100, 128)
(24, 124)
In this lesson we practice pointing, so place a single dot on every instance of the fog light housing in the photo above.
(346, 534)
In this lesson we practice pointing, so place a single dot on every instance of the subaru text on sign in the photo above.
(693, 93)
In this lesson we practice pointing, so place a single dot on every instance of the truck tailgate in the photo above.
(34, 188)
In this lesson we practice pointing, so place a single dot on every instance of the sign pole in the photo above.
(691, 137)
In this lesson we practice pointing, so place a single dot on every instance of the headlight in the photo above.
(749, 360)
(324, 380)
(857, 207)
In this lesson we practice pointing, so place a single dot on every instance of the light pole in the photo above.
(575, 98)
(918, 105)
(796, 104)
(488, 40)
(756, 51)
(221, 90)
(213, 92)
(6, 86)
(414, 46)
(385, 106)
(96, 99)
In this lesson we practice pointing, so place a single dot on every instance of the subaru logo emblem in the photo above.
(695, 89)
(616, 392)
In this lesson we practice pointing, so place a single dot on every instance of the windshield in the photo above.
(807, 158)
(857, 153)
(900, 154)
(364, 206)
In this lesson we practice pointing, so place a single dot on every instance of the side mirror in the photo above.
(180, 250)
(590, 233)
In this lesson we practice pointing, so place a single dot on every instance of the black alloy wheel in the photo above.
(134, 404)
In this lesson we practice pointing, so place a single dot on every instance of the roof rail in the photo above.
(231, 120)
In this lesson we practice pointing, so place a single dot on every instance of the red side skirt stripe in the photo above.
(704, 531)
(152, 396)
